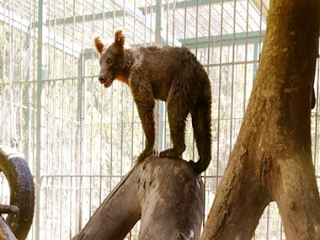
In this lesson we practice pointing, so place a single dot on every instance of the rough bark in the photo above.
(165, 193)
(271, 160)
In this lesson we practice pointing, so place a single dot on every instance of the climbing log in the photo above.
(165, 193)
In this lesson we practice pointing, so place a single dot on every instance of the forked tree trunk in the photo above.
(165, 193)
(271, 160)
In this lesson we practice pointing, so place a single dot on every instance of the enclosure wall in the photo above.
(79, 138)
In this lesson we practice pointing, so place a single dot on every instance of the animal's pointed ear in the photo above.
(98, 44)
(119, 38)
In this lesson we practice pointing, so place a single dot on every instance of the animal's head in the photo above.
(111, 58)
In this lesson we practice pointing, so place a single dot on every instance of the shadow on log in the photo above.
(166, 194)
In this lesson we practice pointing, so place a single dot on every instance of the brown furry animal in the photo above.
(170, 74)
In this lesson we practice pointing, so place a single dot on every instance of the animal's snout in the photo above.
(102, 78)
(105, 80)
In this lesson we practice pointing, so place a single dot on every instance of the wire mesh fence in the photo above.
(81, 139)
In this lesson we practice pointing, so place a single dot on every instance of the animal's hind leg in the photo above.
(178, 109)
(201, 122)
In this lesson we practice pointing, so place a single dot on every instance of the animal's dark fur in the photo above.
(313, 99)
(170, 74)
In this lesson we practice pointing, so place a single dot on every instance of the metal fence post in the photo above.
(255, 58)
(160, 106)
(40, 103)
(82, 101)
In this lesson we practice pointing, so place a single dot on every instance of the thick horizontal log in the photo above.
(166, 194)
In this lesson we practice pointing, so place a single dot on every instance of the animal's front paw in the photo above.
(170, 153)
(145, 154)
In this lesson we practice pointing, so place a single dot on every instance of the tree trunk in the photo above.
(166, 193)
(271, 160)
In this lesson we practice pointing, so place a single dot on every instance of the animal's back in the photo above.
(167, 59)
(165, 65)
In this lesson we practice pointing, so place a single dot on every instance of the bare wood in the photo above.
(165, 193)
(271, 160)
(5, 231)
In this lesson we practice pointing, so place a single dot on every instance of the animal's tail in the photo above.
(201, 122)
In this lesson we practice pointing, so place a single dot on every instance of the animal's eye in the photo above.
(109, 60)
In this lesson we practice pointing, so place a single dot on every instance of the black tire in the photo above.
(21, 185)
